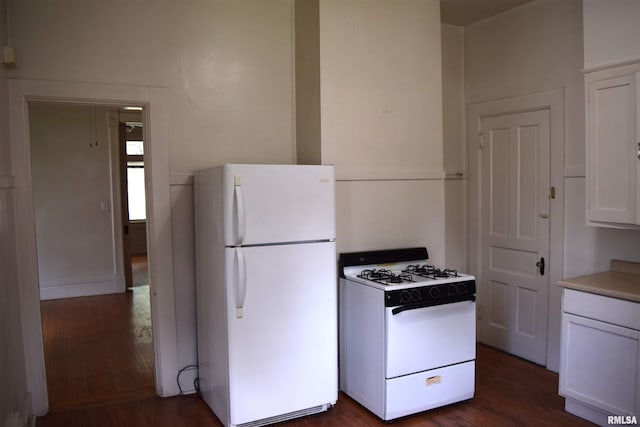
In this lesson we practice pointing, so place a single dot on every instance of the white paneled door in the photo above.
(515, 233)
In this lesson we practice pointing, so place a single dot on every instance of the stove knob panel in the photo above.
(405, 297)
(434, 292)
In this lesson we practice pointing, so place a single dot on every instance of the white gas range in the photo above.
(407, 332)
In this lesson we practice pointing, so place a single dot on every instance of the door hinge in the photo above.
(552, 193)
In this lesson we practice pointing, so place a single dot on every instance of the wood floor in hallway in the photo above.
(98, 349)
(139, 270)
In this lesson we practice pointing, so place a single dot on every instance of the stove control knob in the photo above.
(415, 295)
(405, 297)
(453, 290)
(462, 288)
(434, 292)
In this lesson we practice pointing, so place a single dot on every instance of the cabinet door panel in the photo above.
(599, 364)
(611, 150)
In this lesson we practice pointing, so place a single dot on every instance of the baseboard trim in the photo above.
(187, 381)
(585, 411)
(119, 283)
(73, 290)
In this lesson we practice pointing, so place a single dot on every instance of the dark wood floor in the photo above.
(139, 270)
(100, 373)
(98, 349)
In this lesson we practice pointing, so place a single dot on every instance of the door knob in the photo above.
(540, 265)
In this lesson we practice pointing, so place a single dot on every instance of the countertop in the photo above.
(622, 281)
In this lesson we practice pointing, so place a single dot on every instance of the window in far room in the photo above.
(135, 180)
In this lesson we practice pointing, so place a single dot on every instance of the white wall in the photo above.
(307, 77)
(228, 65)
(381, 122)
(591, 249)
(453, 98)
(72, 194)
(184, 276)
(382, 214)
(381, 85)
(534, 48)
(611, 32)
(455, 158)
(231, 82)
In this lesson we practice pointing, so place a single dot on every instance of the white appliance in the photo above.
(407, 332)
(266, 291)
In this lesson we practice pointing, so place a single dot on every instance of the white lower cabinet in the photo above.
(599, 364)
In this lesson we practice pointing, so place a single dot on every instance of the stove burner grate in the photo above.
(430, 272)
(385, 277)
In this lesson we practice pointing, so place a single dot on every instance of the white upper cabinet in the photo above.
(611, 32)
(613, 147)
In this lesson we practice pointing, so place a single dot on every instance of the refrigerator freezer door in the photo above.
(283, 350)
(241, 288)
(265, 204)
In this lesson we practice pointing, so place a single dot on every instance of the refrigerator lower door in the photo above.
(283, 347)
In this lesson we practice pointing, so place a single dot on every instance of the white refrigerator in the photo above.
(266, 291)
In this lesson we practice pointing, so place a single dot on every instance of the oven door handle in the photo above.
(416, 305)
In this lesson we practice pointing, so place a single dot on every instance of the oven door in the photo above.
(423, 338)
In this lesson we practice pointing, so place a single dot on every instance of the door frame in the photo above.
(506, 333)
(159, 240)
(554, 101)
(124, 204)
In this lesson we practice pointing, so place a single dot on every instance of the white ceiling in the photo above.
(464, 12)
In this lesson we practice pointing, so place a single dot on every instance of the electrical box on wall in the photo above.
(8, 55)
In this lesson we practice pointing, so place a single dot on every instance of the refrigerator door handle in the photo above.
(241, 220)
(241, 290)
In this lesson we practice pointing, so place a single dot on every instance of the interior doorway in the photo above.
(485, 129)
(98, 342)
(514, 206)
(155, 101)
(133, 197)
